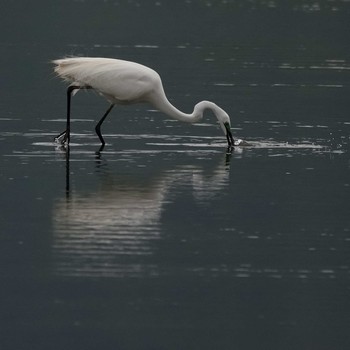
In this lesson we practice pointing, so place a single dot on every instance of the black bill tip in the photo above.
(230, 140)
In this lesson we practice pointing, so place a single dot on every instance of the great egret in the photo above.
(124, 82)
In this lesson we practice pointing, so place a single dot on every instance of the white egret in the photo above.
(124, 82)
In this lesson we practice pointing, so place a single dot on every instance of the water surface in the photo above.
(165, 240)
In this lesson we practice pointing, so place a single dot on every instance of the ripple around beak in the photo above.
(240, 142)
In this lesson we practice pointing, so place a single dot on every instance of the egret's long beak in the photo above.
(230, 140)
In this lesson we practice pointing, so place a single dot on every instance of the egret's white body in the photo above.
(124, 82)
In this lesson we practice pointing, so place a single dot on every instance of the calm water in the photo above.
(165, 240)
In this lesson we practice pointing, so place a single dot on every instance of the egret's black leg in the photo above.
(66, 132)
(98, 126)
(69, 96)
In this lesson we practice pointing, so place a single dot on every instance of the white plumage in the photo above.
(125, 82)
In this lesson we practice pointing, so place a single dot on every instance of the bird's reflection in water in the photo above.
(112, 230)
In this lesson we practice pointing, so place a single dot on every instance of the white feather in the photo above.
(119, 81)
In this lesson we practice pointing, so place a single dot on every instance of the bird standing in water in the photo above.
(124, 82)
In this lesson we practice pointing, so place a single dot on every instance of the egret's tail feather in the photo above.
(85, 71)
(66, 69)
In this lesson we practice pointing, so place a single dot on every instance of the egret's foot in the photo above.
(98, 153)
(61, 138)
(62, 148)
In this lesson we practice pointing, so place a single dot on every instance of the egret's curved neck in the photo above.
(162, 103)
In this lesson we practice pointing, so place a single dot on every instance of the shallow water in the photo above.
(165, 239)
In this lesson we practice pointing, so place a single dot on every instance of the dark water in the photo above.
(165, 241)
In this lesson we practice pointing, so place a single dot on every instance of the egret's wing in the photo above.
(118, 79)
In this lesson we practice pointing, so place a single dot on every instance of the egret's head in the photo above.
(221, 115)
